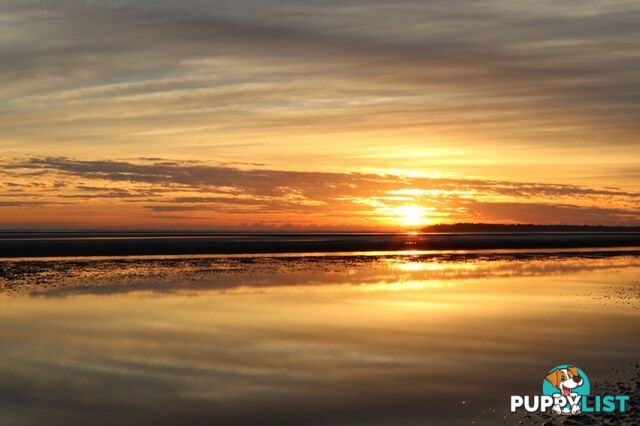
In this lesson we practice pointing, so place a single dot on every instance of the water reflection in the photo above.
(324, 341)
(62, 277)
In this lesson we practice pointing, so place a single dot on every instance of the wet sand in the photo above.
(346, 340)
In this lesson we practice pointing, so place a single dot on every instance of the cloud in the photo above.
(554, 213)
(21, 203)
(270, 182)
(144, 70)
(217, 191)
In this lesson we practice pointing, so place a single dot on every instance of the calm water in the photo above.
(389, 339)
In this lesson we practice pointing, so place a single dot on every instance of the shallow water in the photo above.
(392, 339)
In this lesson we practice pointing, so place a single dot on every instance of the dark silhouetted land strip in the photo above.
(125, 244)
(527, 227)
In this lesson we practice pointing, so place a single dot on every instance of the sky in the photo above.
(318, 115)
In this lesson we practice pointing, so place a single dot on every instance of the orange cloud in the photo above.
(157, 192)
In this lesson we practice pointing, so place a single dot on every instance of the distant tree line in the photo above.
(526, 227)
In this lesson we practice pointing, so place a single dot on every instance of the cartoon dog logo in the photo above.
(566, 380)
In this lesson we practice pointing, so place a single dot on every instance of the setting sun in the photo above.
(411, 215)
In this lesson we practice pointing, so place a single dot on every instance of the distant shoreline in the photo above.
(527, 227)
(79, 244)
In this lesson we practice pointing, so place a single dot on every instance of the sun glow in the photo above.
(411, 215)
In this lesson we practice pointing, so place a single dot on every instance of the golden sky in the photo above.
(318, 114)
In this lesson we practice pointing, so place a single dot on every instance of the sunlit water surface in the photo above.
(393, 339)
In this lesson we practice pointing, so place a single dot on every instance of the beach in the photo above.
(351, 338)
(319, 213)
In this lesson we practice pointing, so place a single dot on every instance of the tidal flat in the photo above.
(390, 338)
